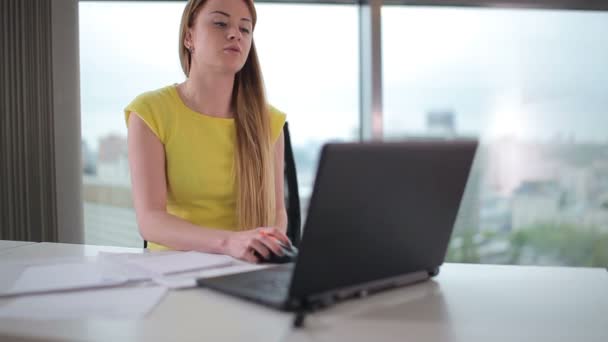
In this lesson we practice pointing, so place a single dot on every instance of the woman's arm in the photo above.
(148, 179)
(149, 183)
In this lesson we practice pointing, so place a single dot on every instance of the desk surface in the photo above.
(463, 303)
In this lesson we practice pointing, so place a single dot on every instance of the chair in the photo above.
(292, 196)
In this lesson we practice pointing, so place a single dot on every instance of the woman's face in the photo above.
(221, 36)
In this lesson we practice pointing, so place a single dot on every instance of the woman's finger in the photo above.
(259, 247)
(277, 234)
(250, 256)
(271, 243)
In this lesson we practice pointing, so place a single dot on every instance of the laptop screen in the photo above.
(380, 210)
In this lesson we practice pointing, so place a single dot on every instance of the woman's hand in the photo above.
(256, 245)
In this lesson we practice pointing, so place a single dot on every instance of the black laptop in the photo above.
(380, 216)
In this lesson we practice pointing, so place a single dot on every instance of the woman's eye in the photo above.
(220, 24)
(245, 30)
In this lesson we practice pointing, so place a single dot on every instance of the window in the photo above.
(312, 76)
(127, 48)
(531, 85)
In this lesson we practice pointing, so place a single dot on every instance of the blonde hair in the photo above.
(254, 171)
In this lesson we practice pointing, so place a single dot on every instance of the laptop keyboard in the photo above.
(274, 280)
(270, 280)
(269, 285)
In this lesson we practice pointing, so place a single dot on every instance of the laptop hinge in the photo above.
(327, 298)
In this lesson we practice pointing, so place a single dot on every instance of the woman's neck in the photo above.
(210, 94)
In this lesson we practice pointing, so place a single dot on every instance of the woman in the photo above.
(206, 155)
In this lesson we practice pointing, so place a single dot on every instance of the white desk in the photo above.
(6, 245)
(464, 303)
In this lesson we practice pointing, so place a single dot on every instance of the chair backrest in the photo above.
(292, 195)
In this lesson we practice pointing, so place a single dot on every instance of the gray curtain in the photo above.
(27, 162)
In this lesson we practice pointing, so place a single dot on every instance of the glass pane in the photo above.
(531, 85)
(128, 48)
(125, 49)
(312, 76)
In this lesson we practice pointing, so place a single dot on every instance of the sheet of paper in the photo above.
(111, 303)
(9, 273)
(163, 264)
(45, 278)
(122, 257)
(7, 244)
(108, 269)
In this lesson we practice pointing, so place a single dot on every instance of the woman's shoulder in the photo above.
(275, 113)
(156, 97)
(154, 108)
(277, 120)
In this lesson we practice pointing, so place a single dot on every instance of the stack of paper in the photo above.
(109, 271)
(61, 277)
(112, 285)
(178, 262)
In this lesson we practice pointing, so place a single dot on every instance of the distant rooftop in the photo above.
(540, 188)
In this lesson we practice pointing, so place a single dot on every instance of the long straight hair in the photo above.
(253, 160)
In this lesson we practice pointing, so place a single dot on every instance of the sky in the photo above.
(531, 74)
(526, 73)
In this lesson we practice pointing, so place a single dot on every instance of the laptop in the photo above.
(380, 216)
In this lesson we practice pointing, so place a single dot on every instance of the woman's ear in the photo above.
(188, 39)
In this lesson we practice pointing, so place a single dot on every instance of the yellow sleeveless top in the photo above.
(199, 154)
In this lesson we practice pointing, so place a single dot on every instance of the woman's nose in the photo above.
(234, 34)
